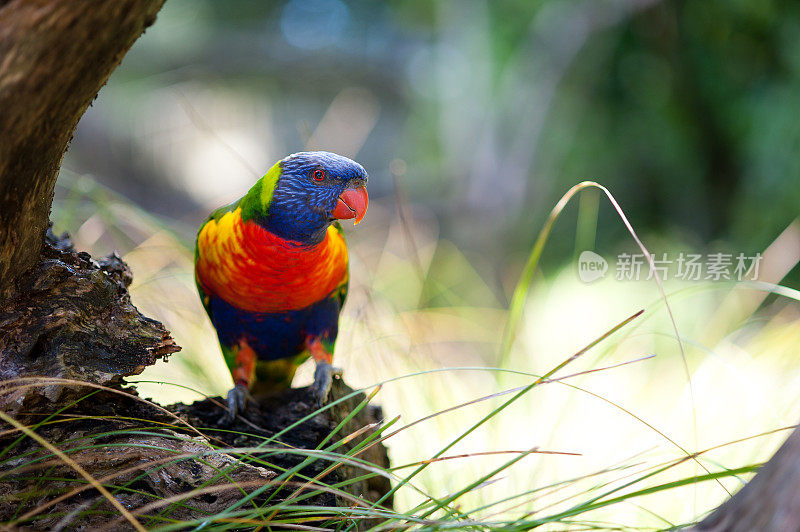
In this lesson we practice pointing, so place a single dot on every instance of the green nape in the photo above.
(253, 204)
(256, 202)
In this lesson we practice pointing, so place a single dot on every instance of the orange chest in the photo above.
(252, 269)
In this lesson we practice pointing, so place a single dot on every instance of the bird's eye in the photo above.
(318, 174)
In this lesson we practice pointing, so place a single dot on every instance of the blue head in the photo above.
(309, 191)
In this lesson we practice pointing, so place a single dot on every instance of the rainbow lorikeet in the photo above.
(272, 271)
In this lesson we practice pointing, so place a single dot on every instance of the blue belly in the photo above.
(275, 335)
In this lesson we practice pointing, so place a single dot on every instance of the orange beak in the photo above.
(352, 203)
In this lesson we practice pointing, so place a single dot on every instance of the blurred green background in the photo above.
(489, 109)
(473, 117)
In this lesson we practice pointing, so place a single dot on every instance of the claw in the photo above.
(323, 379)
(237, 399)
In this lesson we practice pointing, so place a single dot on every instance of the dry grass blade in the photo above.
(484, 453)
(689, 455)
(590, 345)
(595, 370)
(282, 525)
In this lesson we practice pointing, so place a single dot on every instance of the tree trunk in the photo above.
(769, 502)
(76, 448)
(54, 57)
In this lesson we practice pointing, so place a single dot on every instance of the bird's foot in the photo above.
(237, 399)
(323, 379)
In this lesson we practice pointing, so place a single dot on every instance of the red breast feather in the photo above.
(252, 269)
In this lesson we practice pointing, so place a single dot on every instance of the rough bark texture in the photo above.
(769, 502)
(54, 57)
(70, 317)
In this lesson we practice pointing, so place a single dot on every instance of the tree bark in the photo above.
(769, 502)
(70, 317)
(54, 57)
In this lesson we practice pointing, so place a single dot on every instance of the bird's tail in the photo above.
(275, 375)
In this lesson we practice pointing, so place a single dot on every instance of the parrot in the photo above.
(272, 272)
